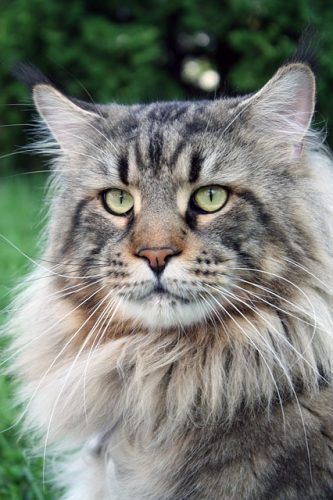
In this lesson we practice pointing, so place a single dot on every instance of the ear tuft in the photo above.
(30, 75)
(307, 49)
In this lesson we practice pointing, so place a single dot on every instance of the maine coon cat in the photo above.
(174, 341)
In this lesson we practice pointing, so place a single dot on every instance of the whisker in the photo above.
(63, 349)
(69, 371)
(59, 321)
(17, 351)
(300, 266)
(290, 383)
(268, 290)
(41, 266)
(257, 349)
(17, 125)
(100, 335)
(282, 337)
(286, 281)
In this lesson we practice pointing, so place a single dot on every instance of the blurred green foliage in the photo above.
(21, 208)
(130, 51)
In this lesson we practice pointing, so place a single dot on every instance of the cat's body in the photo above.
(184, 350)
(256, 458)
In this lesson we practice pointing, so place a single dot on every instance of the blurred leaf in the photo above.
(130, 51)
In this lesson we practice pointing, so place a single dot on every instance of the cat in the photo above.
(174, 341)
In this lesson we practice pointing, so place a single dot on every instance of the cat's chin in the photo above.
(162, 313)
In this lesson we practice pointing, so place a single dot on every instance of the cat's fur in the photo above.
(220, 388)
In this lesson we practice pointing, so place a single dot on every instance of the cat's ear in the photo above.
(284, 107)
(68, 122)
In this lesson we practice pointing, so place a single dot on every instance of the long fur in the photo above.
(136, 398)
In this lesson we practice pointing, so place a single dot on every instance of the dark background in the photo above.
(130, 51)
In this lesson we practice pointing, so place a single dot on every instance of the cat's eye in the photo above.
(118, 201)
(210, 198)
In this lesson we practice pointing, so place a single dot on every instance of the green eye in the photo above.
(117, 201)
(210, 198)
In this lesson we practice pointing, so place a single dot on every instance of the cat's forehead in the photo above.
(174, 118)
(171, 140)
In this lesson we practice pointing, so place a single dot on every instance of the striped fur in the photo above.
(213, 380)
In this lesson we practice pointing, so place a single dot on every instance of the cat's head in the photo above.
(178, 213)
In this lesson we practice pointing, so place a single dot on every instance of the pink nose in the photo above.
(156, 256)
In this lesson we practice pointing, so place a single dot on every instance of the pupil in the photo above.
(121, 197)
(211, 194)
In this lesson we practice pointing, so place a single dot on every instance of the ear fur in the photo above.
(67, 121)
(284, 107)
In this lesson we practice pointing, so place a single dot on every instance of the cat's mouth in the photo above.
(163, 305)
(158, 291)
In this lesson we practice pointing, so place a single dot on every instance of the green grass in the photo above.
(21, 210)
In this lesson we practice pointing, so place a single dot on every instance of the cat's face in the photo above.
(171, 212)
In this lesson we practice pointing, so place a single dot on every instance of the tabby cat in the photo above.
(174, 341)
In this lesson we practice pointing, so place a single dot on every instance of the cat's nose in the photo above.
(157, 257)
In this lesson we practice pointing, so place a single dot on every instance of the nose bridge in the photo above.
(158, 225)
(156, 238)
(157, 228)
